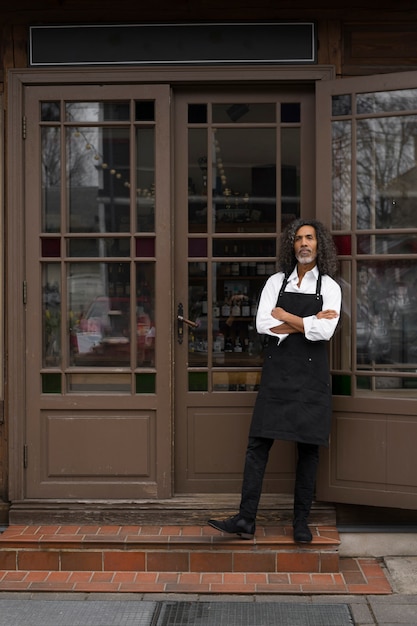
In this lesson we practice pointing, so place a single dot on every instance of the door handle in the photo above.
(181, 320)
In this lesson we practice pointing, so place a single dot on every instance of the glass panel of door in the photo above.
(374, 145)
(98, 245)
(243, 187)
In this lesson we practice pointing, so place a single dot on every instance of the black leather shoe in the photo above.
(302, 533)
(235, 526)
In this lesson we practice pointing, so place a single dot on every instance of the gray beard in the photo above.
(305, 260)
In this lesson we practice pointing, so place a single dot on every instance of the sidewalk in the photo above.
(76, 609)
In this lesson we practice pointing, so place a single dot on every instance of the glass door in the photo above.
(97, 331)
(243, 173)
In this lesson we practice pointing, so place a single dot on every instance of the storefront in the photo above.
(142, 204)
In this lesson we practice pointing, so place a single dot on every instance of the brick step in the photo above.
(174, 548)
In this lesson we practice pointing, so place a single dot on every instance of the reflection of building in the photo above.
(168, 184)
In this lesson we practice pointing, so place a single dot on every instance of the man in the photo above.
(299, 309)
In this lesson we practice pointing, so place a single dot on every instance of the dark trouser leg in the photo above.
(305, 480)
(257, 454)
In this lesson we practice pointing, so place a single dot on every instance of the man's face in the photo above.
(305, 245)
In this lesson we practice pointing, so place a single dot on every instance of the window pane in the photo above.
(236, 381)
(387, 244)
(99, 383)
(197, 181)
(145, 110)
(51, 179)
(50, 112)
(51, 317)
(386, 326)
(145, 314)
(145, 179)
(100, 313)
(97, 111)
(341, 175)
(244, 113)
(197, 113)
(290, 112)
(386, 180)
(197, 312)
(244, 179)
(98, 174)
(103, 247)
(384, 101)
(342, 105)
(290, 174)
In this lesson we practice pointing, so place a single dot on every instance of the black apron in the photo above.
(294, 398)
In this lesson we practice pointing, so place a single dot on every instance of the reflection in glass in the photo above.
(244, 247)
(342, 105)
(386, 172)
(103, 247)
(101, 317)
(98, 175)
(99, 313)
(385, 101)
(117, 111)
(145, 314)
(198, 312)
(290, 174)
(236, 381)
(341, 343)
(235, 295)
(197, 180)
(145, 179)
(244, 179)
(99, 383)
(387, 244)
(386, 318)
(341, 175)
(51, 315)
(50, 112)
(51, 179)
(244, 113)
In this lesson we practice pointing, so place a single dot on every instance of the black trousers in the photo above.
(257, 454)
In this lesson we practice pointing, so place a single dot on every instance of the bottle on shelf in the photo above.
(238, 345)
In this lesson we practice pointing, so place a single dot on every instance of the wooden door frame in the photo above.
(17, 81)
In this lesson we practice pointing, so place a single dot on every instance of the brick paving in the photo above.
(180, 559)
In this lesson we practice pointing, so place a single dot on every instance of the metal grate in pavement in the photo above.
(75, 613)
(245, 614)
(38, 612)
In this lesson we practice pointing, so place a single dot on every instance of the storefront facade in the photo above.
(143, 200)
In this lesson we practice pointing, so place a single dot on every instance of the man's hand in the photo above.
(328, 314)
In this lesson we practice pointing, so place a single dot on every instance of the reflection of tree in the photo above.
(385, 153)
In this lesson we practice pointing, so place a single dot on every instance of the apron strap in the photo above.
(318, 287)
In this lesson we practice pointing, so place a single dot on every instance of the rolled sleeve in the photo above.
(323, 329)
(268, 301)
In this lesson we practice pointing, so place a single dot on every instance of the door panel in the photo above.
(244, 169)
(98, 292)
(367, 140)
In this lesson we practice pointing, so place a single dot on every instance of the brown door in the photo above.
(244, 168)
(367, 142)
(97, 292)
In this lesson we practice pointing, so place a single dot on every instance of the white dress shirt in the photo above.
(314, 329)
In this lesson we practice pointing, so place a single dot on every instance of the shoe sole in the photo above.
(239, 534)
